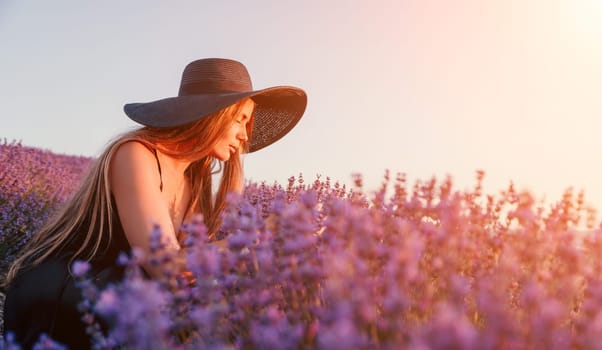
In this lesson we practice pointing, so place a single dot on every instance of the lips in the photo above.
(233, 149)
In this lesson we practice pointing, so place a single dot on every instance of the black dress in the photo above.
(45, 299)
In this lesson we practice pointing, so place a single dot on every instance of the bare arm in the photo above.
(135, 182)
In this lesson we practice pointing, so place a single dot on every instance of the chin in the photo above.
(221, 157)
(224, 158)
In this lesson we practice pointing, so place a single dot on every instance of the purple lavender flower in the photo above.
(108, 302)
(80, 268)
(46, 343)
(135, 310)
(8, 342)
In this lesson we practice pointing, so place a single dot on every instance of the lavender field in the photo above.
(315, 265)
(33, 183)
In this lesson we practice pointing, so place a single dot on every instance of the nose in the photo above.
(242, 134)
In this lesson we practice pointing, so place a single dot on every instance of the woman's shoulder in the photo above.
(133, 157)
(134, 150)
(134, 147)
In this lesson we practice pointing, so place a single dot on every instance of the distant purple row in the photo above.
(32, 183)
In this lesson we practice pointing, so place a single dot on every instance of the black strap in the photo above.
(159, 166)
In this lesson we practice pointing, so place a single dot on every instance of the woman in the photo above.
(160, 174)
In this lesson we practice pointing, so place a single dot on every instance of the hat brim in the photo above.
(277, 111)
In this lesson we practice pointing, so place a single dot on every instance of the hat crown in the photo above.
(214, 75)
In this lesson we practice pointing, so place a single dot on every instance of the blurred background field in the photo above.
(33, 182)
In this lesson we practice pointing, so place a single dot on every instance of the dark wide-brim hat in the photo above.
(211, 84)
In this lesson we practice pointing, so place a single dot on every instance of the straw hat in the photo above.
(211, 84)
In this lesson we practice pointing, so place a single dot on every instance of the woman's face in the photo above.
(232, 139)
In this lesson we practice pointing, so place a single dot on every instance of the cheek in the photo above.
(226, 136)
(232, 132)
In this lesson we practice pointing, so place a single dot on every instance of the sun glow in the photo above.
(586, 17)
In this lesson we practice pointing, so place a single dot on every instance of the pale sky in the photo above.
(424, 87)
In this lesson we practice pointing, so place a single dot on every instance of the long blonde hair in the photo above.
(90, 211)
